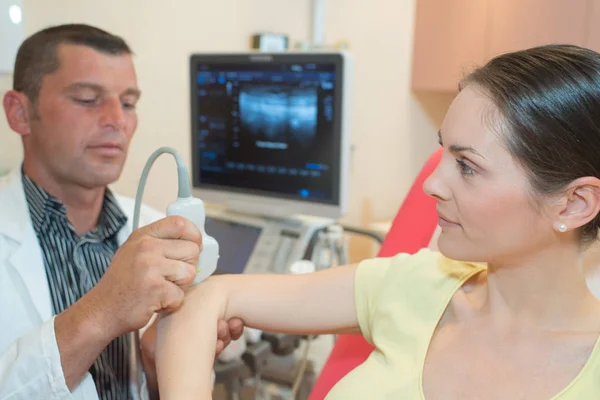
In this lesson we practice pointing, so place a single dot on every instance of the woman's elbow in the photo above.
(209, 296)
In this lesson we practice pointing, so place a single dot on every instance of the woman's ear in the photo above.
(581, 204)
(16, 107)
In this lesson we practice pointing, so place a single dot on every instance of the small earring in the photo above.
(561, 228)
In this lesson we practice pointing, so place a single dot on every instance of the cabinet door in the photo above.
(592, 40)
(449, 40)
(520, 24)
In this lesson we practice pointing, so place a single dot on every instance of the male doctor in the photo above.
(69, 296)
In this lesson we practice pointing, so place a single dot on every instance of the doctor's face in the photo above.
(487, 210)
(84, 117)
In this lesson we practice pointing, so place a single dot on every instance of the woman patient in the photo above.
(503, 310)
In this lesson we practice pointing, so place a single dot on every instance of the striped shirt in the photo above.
(74, 264)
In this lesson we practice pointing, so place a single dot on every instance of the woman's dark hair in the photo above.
(548, 98)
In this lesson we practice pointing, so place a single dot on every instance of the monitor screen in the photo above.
(268, 128)
(236, 242)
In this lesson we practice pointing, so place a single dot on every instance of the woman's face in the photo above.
(486, 208)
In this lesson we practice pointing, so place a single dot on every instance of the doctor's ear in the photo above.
(16, 107)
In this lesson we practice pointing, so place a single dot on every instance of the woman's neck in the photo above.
(546, 292)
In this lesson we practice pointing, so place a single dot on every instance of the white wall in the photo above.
(391, 132)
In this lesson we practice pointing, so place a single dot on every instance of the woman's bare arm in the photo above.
(322, 302)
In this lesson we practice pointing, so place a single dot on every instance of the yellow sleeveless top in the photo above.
(399, 302)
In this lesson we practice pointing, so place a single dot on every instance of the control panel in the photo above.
(259, 245)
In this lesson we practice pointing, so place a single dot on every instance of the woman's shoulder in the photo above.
(425, 263)
(406, 287)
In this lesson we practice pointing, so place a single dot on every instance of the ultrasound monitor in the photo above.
(269, 132)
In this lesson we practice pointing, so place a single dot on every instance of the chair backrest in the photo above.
(417, 217)
(411, 230)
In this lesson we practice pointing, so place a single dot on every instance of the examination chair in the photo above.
(411, 230)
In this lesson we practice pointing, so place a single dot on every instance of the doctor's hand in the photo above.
(228, 331)
(148, 274)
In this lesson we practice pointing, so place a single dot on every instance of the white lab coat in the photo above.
(29, 359)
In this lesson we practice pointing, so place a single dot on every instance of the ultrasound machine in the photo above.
(270, 146)
(270, 154)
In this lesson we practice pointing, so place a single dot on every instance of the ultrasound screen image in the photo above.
(267, 129)
(279, 113)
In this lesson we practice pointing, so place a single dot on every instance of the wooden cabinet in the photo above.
(446, 34)
(592, 39)
(520, 24)
(451, 37)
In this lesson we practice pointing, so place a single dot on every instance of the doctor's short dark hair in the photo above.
(548, 100)
(37, 56)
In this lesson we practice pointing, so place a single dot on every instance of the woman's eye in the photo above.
(464, 168)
